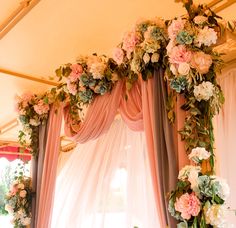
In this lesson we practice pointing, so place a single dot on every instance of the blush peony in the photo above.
(130, 40)
(201, 62)
(41, 108)
(175, 27)
(188, 205)
(76, 71)
(118, 55)
(180, 54)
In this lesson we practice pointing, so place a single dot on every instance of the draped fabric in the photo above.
(46, 191)
(225, 131)
(137, 114)
(164, 144)
(37, 170)
(86, 194)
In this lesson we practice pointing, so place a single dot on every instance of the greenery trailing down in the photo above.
(192, 65)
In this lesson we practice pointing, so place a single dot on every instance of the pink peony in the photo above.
(24, 99)
(118, 55)
(76, 72)
(72, 88)
(180, 54)
(130, 40)
(41, 108)
(201, 62)
(188, 205)
(175, 27)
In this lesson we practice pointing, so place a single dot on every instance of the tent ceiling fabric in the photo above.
(57, 31)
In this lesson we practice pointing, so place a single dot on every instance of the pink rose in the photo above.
(41, 108)
(180, 54)
(72, 88)
(130, 40)
(188, 205)
(201, 62)
(118, 55)
(76, 72)
(175, 27)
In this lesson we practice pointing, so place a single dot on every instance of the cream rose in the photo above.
(199, 19)
(184, 68)
(23, 194)
(146, 58)
(173, 69)
(155, 57)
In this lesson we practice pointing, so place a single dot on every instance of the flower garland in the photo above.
(191, 70)
(199, 200)
(18, 202)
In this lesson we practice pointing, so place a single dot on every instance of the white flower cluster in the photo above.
(206, 36)
(221, 187)
(97, 66)
(199, 154)
(204, 91)
(190, 173)
(215, 215)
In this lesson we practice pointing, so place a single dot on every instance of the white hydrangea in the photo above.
(9, 209)
(97, 69)
(215, 215)
(221, 187)
(190, 173)
(206, 36)
(34, 122)
(198, 154)
(204, 91)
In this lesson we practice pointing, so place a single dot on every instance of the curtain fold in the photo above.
(37, 170)
(88, 195)
(46, 191)
(164, 144)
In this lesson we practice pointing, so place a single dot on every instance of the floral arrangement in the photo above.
(18, 202)
(199, 199)
(33, 110)
(142, 48)
(191, 67)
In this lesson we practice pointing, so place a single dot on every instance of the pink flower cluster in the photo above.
(41, 108)
(188, 205)
(180, 54)
(76, 72)
(130, 40)
(175, 27)
(118, 55)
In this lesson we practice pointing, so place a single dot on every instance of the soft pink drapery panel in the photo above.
(99, 117)
(137, 112)
(49, 169)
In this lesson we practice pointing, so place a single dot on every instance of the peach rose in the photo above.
(201, 62)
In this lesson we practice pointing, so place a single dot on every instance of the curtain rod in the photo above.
(28, 77)
(14, 153)
(224, 6)
(24, 7)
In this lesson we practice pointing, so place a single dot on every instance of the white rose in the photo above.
(21, 186)
(200, 20)
(155, 57)
(184, 68)
(146, 58)
(23, 193)
(25, 221)
(173, 69)
(198, 154)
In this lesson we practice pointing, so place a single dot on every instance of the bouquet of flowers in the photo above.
(142, 48)
(199, 199)
(18, 202)
(33, 110)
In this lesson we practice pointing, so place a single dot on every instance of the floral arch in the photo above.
(162, 79)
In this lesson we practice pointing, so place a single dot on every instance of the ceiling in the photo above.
(56, 31)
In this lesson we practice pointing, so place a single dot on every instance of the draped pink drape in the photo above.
(136, 109)
(49, 168)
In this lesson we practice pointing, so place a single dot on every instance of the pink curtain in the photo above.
(136, 111)
(50, 168)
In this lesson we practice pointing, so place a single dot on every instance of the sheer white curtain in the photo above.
(225, 132)
(106, 183)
